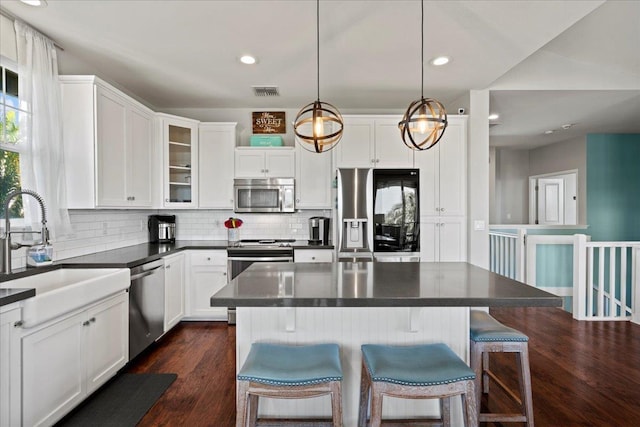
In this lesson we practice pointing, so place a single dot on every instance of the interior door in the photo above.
(550, 201)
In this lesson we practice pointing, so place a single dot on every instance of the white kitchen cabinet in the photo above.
(372, 142)
(207, 275)
(443, 239)
(75, 354)
(313, 179)
(274, 162)
(313, 255)
(108, 145)
(443, 172)
(180, 160)
(10, 366)
(174, 290)
(216, 146)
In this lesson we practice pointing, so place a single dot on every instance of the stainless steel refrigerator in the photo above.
(396, 216)
(354, 213)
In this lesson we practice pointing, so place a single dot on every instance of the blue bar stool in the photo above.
(490, 336)
(415, 372)
(289, 372)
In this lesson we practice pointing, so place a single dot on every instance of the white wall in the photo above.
(563, 156)
(8, 45)
(478, 178)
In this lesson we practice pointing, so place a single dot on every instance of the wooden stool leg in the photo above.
(476, 365)
(376, 406)
(253, 410)
(241, 410)
(525, 385)
(485, 370)
(336, 403)
(445, 411)
(365, 388)
(469, 405)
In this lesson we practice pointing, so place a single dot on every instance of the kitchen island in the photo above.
(355, 303)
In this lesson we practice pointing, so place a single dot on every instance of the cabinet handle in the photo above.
(297, 200)
(133, 197)
(166, 267)
(18, 324)
(93, 319)
(85, 323)
(441, 209)
(266, 170)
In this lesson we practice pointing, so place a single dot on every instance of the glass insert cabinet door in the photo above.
(180, 159)
(396, 213)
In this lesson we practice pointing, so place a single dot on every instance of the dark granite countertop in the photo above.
(377, 284)
(126, 257)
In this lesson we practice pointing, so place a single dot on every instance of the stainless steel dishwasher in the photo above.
(146, 306)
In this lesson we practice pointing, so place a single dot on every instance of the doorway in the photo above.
(553, 198)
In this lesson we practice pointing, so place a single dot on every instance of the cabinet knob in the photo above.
(313, 258)
(224, 274)
(297, 200)
(208, 258)
(93, 320)
(166, 267)
(85, 323)
(166, 200)
(266, 170)
(441, 209)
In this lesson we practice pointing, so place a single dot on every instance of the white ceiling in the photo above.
(184, 54)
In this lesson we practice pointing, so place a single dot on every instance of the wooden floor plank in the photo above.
(583, 373)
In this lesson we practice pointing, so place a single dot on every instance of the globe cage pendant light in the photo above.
(318, 126)
(425, 121)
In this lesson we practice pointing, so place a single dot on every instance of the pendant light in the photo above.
(425, 120)
(318, 125)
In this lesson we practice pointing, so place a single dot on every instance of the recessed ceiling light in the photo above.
(567, 126)
(440, 60)
(35, 3)
(548, 132)
(494, 116)
(247, 59)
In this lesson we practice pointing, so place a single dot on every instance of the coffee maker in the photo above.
(162, 228)
(318, 230)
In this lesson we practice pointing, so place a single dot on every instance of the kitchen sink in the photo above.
(66, 289)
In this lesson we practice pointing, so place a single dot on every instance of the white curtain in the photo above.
(42, 161)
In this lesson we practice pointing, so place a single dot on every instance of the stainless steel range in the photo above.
(240, 255)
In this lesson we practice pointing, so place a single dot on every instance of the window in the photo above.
(10, 139)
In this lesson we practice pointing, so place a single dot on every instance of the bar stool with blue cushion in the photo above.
(490, 336)
(415, 372)
(289, 372)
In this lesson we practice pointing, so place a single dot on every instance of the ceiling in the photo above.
(530, 54)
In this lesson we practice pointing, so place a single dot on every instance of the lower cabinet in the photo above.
(173, 290)
(443, 239)
(69, 358)
(207, 275)
(10, 365)
(313, 255)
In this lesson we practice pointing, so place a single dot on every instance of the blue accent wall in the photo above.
(613, 187)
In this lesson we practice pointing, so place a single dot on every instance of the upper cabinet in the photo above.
(443, 174)
(372, 142)
(274, 162)
(108, 137)
(180, 160)
(313, 179)
(216, 144)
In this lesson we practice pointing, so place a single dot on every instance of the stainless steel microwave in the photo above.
(264, 195)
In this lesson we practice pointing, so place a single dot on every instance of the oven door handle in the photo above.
(261, 259)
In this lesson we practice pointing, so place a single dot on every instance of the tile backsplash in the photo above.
(102, 230)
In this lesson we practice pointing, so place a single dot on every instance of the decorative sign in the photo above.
(269, 122)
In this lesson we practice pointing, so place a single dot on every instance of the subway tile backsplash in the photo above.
(102, 230)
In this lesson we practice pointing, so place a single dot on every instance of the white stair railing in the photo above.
(506, 253)
(605, 279)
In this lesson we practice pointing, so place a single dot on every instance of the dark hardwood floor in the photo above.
(583, 373)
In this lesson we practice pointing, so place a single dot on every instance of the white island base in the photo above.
(350, 328)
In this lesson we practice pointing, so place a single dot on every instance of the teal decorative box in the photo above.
(266, 141)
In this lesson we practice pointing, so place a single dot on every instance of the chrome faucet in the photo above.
(7, 246)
